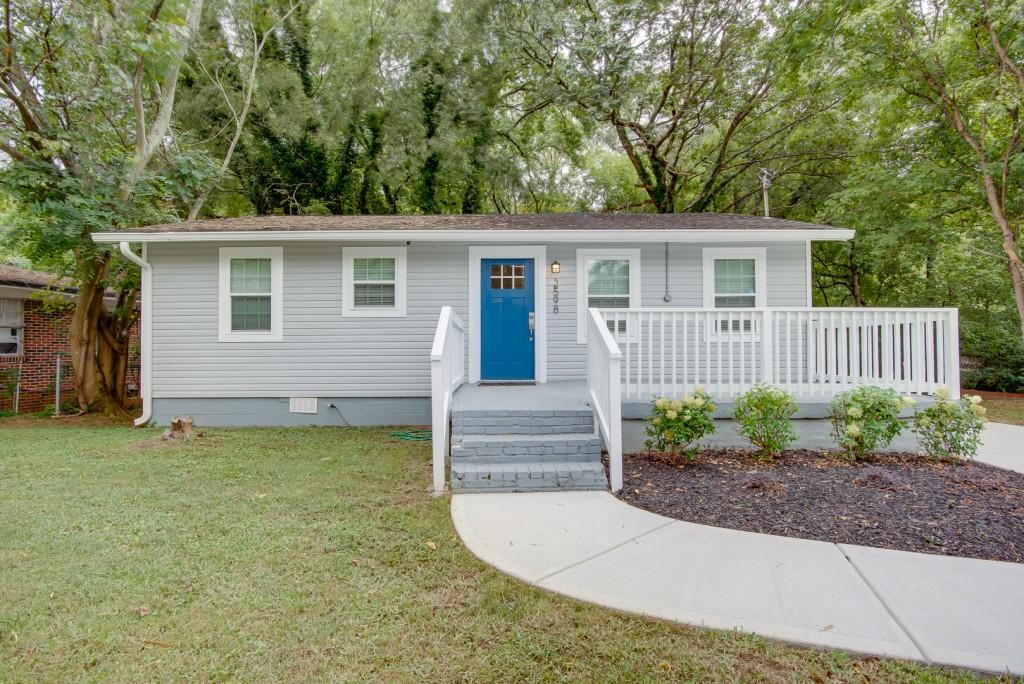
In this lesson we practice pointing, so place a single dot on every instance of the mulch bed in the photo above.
(893, 501)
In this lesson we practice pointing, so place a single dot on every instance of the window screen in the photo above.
(608, 284)
(735, 284)
(250, 294)
(373, 282)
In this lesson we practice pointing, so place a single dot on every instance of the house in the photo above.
(567, 319)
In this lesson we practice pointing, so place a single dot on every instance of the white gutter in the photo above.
(478, 236)
(146, 381)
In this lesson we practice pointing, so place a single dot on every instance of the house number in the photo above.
(554, 296)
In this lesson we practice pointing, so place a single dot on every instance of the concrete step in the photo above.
(528, 477)
(521, 421)
(514, 448)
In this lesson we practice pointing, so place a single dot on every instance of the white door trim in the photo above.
(540, 270)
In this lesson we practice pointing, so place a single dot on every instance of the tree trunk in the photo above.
(1014, 263)
(99, 344)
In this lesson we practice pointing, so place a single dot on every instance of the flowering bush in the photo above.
(950, 429)
(675, 424)
(763, 414)
(866, 419)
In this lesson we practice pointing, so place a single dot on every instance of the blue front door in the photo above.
(506, 319)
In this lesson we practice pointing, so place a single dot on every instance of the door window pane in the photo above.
(508, 277)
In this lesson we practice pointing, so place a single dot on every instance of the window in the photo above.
(373, 281)
(508, 277)
(251, 294)
(734, 278)
(12, 327)
(608, 279)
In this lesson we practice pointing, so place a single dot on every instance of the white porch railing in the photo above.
(812, 353)
(603, 389)
(447, 373)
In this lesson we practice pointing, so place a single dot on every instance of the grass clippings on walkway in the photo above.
(303, 555)
(892, 501)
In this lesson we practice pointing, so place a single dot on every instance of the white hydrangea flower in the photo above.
(671, 415)
(675, 405)
(854, 412)
(661, 403)
(909, 402)
(975, 399)
(942, 393)
(853, 430)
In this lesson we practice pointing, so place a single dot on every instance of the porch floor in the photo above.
(570, 395)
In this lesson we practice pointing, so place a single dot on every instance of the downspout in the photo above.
(146, 379)
(668, 295)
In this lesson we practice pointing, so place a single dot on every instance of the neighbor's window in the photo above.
(608, 279)
(251, 294)
(11, 327)
(373, 281)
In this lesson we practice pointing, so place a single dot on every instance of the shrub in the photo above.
(950, 429)
(764, 415)
(866, 419)
(675, 424)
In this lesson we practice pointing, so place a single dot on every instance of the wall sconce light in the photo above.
(556, 267)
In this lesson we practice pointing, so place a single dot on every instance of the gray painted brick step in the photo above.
(494, 422)
(525, 448)
(528, 477)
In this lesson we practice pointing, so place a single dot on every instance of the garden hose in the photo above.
(412, 435)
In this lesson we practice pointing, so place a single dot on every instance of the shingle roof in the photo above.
(22, 277)
(700, 221)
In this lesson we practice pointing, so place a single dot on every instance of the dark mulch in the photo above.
(893, 501)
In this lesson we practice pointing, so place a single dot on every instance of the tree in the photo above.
(250, 24)
(688, 88)
(88, 91)
(959, 65)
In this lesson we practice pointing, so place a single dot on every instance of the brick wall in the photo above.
(44, 336)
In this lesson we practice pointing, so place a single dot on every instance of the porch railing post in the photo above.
(767, 351)
(952, 347)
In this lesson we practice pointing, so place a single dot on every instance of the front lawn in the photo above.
(300, 554)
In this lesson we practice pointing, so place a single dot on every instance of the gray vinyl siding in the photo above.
(324, 354)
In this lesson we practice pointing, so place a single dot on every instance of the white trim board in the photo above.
(500, 236)
(540, 270)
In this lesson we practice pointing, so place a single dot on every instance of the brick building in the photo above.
(32, 334)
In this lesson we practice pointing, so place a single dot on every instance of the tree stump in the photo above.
(181, 428)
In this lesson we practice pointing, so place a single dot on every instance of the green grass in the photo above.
(1003, 408)
(298, 555)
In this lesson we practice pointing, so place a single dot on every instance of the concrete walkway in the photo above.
(589, 545)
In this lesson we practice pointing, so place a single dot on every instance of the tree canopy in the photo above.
(899, 119)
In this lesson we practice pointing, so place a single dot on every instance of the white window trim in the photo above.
(582, 285)
(276, 256)
(760, 277)
(540, 292)
(348, 308)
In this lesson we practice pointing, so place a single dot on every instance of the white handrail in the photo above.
(603, 389)
(814, 353)
(447, 373)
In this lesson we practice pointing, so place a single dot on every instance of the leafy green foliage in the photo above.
(675, 424)
(764, 415)
(951, 429)
(866, 419)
